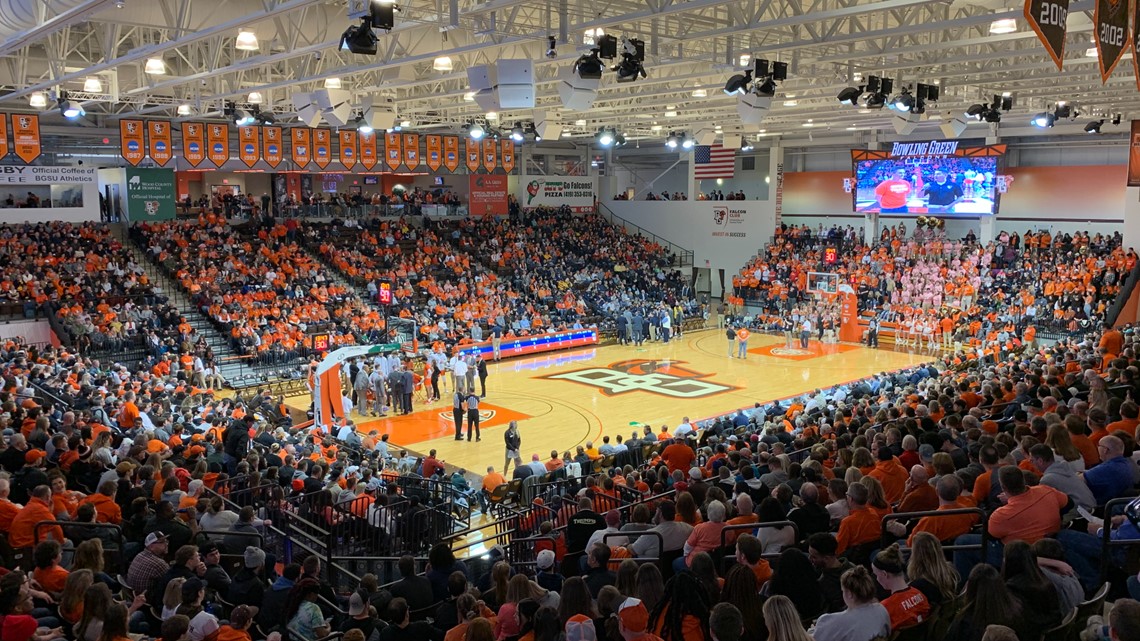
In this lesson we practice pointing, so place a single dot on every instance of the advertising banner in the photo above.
(472, 147)
(271, 146)
(392, 151)
(434, 146)
(194, 142)
(3, 136)
(451, 153)
(412, 151)
(348, 148)
(1134, 155)
(150, 194)
(508, 155)
(17, 175)
(322, 147)
(488, 195)
(300, 136)
(490, 155)
(26, 136)
(576, 192)
(248, 148)
(160, 141)
(218, 143)
(368, 150)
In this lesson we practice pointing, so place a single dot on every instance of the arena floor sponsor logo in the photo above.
(436, 421)
(665, 378)
(815, 349)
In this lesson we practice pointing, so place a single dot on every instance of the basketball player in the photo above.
(473, 416)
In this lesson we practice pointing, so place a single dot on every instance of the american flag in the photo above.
(714, 161)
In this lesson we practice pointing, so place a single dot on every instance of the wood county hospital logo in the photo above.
(665, 378)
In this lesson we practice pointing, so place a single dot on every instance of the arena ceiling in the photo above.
(691, 47)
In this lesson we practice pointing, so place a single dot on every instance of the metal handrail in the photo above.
(983, 519)
(684, 257)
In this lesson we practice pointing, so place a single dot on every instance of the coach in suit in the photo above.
(408, 387)
(396, 386)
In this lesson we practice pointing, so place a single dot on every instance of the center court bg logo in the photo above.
(665, 378)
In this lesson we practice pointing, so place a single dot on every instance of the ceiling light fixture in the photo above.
(518, 134)
(605, 137)
(442, 63)
(155, 67)
(246, 41)
(93, 85)
(699, 93)
(1094, 127)
(632, 60)
(1043, 120)
(687, 142)
(475, 131)
(185, 110)
(672, 141)
(492, 115)
(850, 95)
(737, 85)
(37, 100)
(359, 38)
(254, 98)
(332, 83)
(1004, 25)
(68, 108)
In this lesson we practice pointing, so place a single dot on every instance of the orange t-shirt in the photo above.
(52, 579)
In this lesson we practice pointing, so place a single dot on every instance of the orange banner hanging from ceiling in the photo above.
(26, 136)
(508, 155)
(367, 150)
(218, 143)
(348, 149)
(434, 146)
(248, 150)
(451, 153)
(300, 136)
(322, 147)
(490, 154)
(3, 137)
(193, 143)
(271, 146)
(160, 144)
(392, 150)
(131, 144)
(412, 151)
(472, 155)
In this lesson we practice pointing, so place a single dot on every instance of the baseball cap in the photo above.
(633, 614)
(154, 537)
(695, 473)
(580, 628)
(34, 455)
(545, 560)
(355, 605)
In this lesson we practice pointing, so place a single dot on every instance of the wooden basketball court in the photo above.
(564, 399)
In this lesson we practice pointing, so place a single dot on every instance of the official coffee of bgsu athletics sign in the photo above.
(17, 175)
(575, 192)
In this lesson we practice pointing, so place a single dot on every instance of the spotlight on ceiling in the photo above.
(745, 145)
(518, 134)
(687, 142)
(605, 137)
(632, 59)
(737, 85)
(1044, 120)
(878, 92)
(359, 39)
(264, 117)
(68, 108)
(672, 141)
(246, 41)
(903, 102)
(551, 47)
(765, 89)
(475, 131)
(1063, 111)
(850, 95)
(362, 125)
(1094, 127)
(589, 66)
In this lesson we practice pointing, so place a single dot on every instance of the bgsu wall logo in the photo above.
(720, 215)
(666, 378)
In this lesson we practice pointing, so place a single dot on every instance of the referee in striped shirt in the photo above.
(473, 415)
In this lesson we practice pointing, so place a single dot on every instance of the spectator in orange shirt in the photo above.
(39, 508)
(8, 509)
(861, 525)
(1129, 411)
(555, 463)
(49, 573)
(492, 480)
(890, 474)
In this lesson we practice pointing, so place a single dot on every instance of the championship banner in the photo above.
(322, 147)
(131, 141)
(368, 150)
(392, 150)
(1134, 155)
(434, 146)
(271, 146)
(348, 149)
(193, 143)
(507, 156)
(490, 154)
(472, 155)
(160, 143)
(3, 137)
(300, 136)
(1048, 19)
(1136, 41)
(248, 151)
(218, 143)
(451, 153)
(26, 136)
(412, 151)
(1110, 22)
